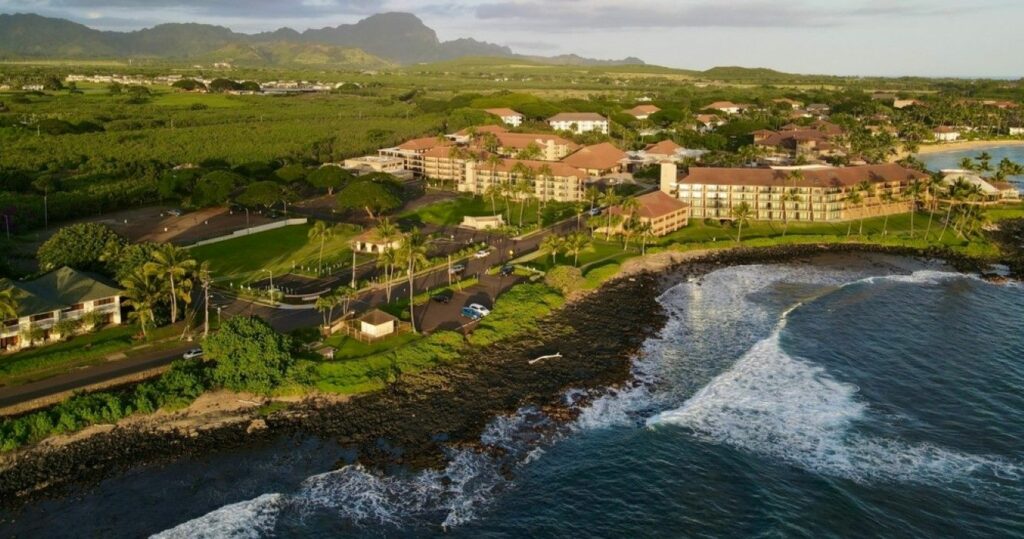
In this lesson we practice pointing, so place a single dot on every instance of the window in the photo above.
(104, 301)
(43, 316)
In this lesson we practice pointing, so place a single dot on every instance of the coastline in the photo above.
(457, 400)
(931, 149)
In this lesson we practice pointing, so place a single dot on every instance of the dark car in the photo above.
(507, 270)
(443, 296)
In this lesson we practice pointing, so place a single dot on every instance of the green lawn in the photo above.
(279, 250)
(349, 348)
(450, 212)
(213, 101)
(81, 351)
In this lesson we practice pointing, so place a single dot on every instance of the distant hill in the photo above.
(387, 37)
(745, 73)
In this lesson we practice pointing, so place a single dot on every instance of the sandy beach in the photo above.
(966, 145)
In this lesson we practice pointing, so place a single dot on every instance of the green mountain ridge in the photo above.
(383, 39)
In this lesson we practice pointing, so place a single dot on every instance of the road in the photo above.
(284, 320)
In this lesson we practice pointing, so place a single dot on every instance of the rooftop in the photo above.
(58, 289)
(377, 317)
(653, 205)
(577, 117)
(599, 156)
(642, 110)
(665, 147)
(503, 113)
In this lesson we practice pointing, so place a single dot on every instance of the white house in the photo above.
(579, 122)
(64, 300)
(727, 107)
(1016, 131)
(945, 133)
(508, 116)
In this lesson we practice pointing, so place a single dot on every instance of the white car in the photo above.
(193, 353)
(457, 268)
(484, 311)
(482, 253)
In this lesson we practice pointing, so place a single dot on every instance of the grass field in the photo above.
(81, 351)
(349, 348)
(450, 212)
(279, 250)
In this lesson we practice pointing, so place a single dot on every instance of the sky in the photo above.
(963, 38)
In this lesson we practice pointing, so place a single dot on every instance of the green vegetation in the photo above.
(517, 312)
(80, 246)
(279, 250)
(349, 348)
(250, 355)
(176, 388)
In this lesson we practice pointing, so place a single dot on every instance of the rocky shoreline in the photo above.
(423, 413)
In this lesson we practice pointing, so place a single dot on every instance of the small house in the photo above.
(376, 324)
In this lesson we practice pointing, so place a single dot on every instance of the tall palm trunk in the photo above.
(945, 225)
(412, 308)
(174, 301)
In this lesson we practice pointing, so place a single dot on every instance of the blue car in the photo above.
(471, 313)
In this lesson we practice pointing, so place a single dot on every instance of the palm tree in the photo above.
(932, 187)
(8, 304)
(206, 278)
(552, 244)
(887, 198)
(864, 187)
(629, 208)
(143, 290)
(853, 198)
(741, 215)
(326, 304)
(609, 199)
(913, 193)
(592, 194)
(956, 192)
(967, 163)
(346, 294)
(320, 231)
(984, 162)
(172, 263)
(414, 254)
(387, 260)
(645, 230)
(576, 243)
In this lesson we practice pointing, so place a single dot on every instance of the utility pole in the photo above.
(353, 283)
(204, 275)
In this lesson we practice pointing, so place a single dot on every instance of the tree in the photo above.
(293, 173)
(645, 230)
(189, 85)
(206, 279)
(261, 194)
(329, 177)
(853, 198)
(250, 355)
(215, 188)
(8, 304)
(609, 199)
(414, 254)
(576, 243)
(81, 246)
(326, 303)
(144, 291)
(370, 196)
(224, 85)
(387, 258)
(629, 208)
(320, 231)
(173, 264)
(913, 193)
(565, 279)
(45, 184)
(865, 187)
(552, 243)
(741, 214)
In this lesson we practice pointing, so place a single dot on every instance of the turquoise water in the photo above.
(779, 401)
(939, 161)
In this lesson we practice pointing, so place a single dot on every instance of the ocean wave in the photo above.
(772, 404)
(249, 519)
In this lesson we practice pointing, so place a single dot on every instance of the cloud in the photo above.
(597, 14)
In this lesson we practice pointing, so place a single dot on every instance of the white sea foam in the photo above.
(786, 408)
(251, 518)
(448, 497)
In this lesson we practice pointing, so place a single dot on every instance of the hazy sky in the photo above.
(852, 37)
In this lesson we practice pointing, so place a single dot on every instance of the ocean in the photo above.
(838, 399)
(951, 159)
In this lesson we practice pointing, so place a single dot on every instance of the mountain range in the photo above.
(376, 41)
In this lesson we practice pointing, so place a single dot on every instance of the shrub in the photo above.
(80, 246)
(566, 279)
(250, 355)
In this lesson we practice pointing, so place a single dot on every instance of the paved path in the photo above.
(433, 316)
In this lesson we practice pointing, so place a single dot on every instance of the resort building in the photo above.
(579, 122)
(508, 116)
(992, 190)
(64, 300)
(642, 112)
(547, 181)
(819, 139)
(663, 212)
(598, 160)
(786, 102)
(411, 152)
(727, 107)
(945, 133)
(708, 122)
(821, 193)
(543, 147)
(375, 163)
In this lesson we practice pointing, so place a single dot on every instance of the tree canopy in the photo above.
(329, 178)
(81, 246)
(250, 355)
(370, 196)
(215, 188)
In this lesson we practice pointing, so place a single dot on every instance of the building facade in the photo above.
(579, 122)
(813, 194)
(547, 181)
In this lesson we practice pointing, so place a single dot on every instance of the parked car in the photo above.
(472, 314)
(174, 212)
(443, 296)
(192, 353)
(594, 212)
(507, 270)
(457, 268)
(484, 311)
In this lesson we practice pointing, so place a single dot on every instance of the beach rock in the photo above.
(256, 425)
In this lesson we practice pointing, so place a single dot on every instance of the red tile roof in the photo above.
(597, 157)
(577, 117)
(558, 168)
(827, 177)
(522, 140)
(503, 113)
(653, 205)
(643, 110)
(424, 143)
(665, 147)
